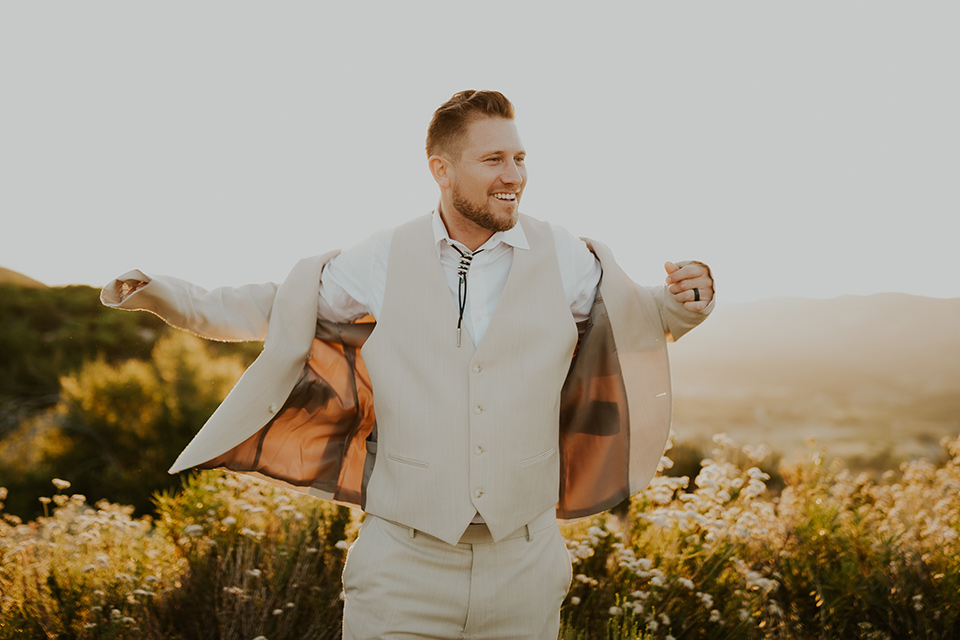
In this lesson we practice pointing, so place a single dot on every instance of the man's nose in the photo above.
(511, 173)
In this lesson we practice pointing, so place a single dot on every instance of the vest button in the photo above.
(477, 368)
(478, 409)
(478, 450)
(273, 408)
(477, 493)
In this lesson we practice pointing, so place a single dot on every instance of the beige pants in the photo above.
(404, 584)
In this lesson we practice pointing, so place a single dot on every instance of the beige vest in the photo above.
(463, 430)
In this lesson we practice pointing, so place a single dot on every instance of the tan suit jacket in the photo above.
(302, 413)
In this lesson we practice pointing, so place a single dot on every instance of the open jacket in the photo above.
(302, 414)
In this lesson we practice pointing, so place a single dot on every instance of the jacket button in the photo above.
(477, 368)
(478, 450)
(477, 493)
(310, 356)
(478, 409)
(273, 408)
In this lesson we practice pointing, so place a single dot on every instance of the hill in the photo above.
(8, 276)
(875, 377)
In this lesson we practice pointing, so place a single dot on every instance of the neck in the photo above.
(467, 232)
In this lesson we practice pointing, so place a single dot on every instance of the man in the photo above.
(467, 418)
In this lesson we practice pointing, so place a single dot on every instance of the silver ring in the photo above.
(696, 294)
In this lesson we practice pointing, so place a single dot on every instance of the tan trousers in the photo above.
(402, 584)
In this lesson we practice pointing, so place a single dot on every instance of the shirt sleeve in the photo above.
(353, 283)
(579, 271)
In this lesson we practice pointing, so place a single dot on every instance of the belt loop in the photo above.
(529, 534)
(411, 532)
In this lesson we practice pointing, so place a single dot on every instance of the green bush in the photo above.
(228, 557)
(118, 427)
(832, 556)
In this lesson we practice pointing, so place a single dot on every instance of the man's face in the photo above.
(487, 182)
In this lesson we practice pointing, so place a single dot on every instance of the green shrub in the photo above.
(228, 557)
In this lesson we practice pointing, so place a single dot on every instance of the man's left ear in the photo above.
(440, 170)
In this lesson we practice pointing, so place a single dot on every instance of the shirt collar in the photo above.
(514, 237)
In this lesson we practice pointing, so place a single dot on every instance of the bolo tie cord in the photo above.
(465, 259)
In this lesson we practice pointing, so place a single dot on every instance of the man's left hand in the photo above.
(690, 283)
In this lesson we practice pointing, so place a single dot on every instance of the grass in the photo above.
(827, 554)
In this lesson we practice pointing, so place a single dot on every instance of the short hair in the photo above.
(449, 122)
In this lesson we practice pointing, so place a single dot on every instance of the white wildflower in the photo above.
(757, 474)
(724, 440)
(61, 484)
(615, 611)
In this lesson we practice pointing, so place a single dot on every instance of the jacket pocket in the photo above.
(526, 462)
(408, 461)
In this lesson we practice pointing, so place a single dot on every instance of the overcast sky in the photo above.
(801, 149)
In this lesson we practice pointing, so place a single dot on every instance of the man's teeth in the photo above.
(505, 196)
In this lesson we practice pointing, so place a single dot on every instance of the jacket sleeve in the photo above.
(227, 314)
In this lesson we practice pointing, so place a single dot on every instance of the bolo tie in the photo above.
(465, 259)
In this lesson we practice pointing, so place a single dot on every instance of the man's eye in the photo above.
(520, 160)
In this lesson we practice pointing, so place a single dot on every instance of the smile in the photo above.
(509, 197)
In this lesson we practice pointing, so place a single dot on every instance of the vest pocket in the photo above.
(409, 461)
(526, 462)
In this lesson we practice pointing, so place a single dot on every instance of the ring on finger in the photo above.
(696, 294)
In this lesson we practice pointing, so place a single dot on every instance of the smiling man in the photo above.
(466, 420)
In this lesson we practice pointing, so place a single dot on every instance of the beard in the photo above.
(482, 215)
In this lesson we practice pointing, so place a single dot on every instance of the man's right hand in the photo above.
(127, 287)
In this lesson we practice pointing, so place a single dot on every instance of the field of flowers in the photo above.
(831, 555)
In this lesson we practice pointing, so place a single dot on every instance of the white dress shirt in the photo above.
(352, 284)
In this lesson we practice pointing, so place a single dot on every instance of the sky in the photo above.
(805, 149)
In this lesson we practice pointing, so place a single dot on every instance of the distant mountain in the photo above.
(872, 375)
(12, 277)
